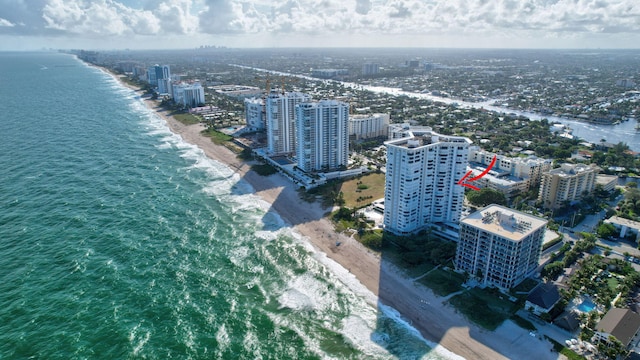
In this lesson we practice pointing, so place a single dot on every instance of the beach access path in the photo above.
(437, 321)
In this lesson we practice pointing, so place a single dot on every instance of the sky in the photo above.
(178, 24)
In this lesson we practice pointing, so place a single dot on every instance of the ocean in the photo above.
(119, 240)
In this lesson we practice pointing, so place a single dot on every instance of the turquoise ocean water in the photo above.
(119, 240)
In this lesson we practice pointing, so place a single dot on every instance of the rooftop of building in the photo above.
(568, 320)
(502, 221)
(186, 85)
(623, 222)
(604, 179)
(227, 88)
(498, 177)
(544, 295)
(621, 323)
(567, 170)
(368, 116)
(424, 136)
(277, 94)
(323, 103)
(529, 160)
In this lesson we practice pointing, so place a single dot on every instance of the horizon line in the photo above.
(219, 47)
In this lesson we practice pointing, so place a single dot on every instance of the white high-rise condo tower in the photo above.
(500, 246)
(323, 135)
(188, 95)
(280, 118)
(421, 176)
(254, 112)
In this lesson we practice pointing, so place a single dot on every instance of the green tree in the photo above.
(607, 231)
(553, 270)
(372, 239)
(343, 213)
(485, 197)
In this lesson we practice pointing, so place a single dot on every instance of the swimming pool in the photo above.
(586, 305)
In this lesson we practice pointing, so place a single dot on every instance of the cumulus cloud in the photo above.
(6, 23)
(78, 17)
(399, 10)
(100, 17)
(221, 16)
(363, 6)
(113, 18)
(175, 16)
(326, 17)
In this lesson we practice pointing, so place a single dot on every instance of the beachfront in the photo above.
(437, 322)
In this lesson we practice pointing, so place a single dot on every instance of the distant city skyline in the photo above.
(175, 24)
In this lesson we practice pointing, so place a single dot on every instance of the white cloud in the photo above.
(176, 17)
(6, 23)
(220, 16)
(112, 18)
(333, 19)
(363, 6)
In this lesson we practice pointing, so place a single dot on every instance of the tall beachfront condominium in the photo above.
(188, 95)
(165, 87)
(368, 126)
(500, 246)
(157, 72)
(566, 184)
(370, 69)
(403, 130)
(421, 176)
(280, 119)
(254, 113)
(323, 141)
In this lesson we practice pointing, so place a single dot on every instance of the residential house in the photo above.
(623, 324)
(542, 299)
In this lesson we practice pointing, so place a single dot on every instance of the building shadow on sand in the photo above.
(407, 311)
(430, 310)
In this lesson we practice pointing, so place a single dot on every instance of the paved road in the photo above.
(590, 222)
(621, 247)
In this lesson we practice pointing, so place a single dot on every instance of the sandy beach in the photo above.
(436, 321)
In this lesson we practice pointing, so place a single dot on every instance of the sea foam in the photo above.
(303, 293)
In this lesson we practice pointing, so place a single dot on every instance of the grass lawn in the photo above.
(187, 119)
(216, 136)
(418, 270)
(443, 282)
(612, 283)
(393, 255)
(570, 354)
(485, 307)
(368, 188)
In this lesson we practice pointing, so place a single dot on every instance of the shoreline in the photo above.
(441, 325)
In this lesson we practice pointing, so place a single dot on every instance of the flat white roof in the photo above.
(502, 221)
(624, 222)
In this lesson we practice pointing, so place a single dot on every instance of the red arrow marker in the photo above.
(485, 172)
